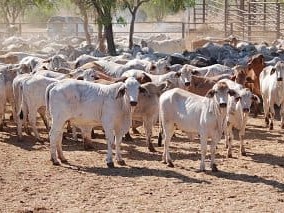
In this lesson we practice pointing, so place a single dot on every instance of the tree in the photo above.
(160, 8)
(12, 9)
(169, 5)
(104, 10)
(132, 6)
(83, 10)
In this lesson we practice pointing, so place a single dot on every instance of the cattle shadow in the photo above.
(136, 172)
(28, 142)
(252, 133)
(268, 159)
(133, 153)
(248, 178)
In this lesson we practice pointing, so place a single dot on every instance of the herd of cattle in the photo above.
(205, 93)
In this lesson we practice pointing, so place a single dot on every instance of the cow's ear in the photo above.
(120, 92)
(233, 78)
(210, 93)
(178, 74)
(80, 78)
(122, 79)
(163, 86)
(167, 68)
(237, 99)
(255, 98)
(272, 71)
(145, 78)
(47, 60)
(195, 72)
(143, 90)
(232, 92)
(249, 80)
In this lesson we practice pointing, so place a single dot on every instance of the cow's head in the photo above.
(278, 70)
(245, 98)
(131, 89)
(220, 92)
(186, 73)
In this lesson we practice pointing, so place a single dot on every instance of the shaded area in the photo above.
(249, 179)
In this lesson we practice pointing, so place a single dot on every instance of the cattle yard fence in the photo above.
(249, 20)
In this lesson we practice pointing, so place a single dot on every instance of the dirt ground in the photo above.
(254, 183)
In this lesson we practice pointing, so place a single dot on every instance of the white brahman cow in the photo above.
(87, 104)
(195, 114)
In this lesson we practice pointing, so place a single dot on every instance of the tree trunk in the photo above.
(83, 12)
(131, 31)
(110, 40)
(86, 29)
(101, 38)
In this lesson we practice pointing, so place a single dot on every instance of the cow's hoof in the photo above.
(55, 162)
(128, 137)
(93, 135)
(135, 131)
(64, 160)
(151, 148)
(110, 165)
(28, 131)
(88, 146)
(170, 164)
(214, 168)
(243, 153)
(271, 127)
(1, 127)
(121, 163)
(229, 155)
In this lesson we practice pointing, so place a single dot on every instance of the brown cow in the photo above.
(200, 85)
(255, 66)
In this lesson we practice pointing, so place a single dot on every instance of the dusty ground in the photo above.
(255, 183)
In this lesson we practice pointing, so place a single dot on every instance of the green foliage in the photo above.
(158, 9)
(39, 14)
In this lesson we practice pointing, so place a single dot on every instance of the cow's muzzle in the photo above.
(246, 110)
(187, 83)
(223, 105)
(133, 103)
(280, 79)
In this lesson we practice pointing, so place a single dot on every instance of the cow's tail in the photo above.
(20, 112)
(47, 96)
(160, 137)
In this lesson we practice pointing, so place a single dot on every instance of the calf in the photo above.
(237, 116)
(206, 116)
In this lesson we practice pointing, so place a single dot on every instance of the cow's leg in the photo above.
(213, 151)
(272, 115)
(86, 134)
(203, 142)
(108, 128)
(168, 133)
(42, 114)
(228, 139)
(2, 113)
(282, 115)
(148, 123)
(74, 133)
(55, 136)
(266, 111)
(32, 119)
(241, 136)
(118, 157)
